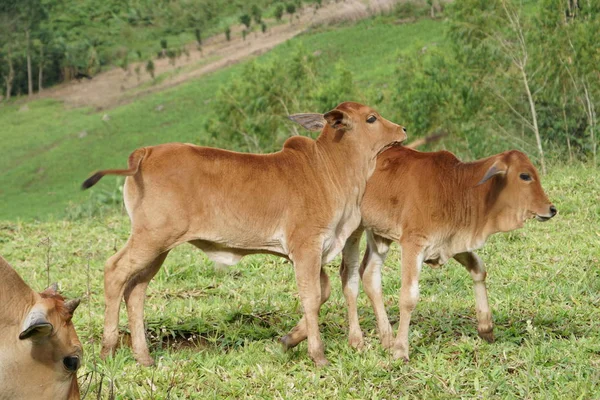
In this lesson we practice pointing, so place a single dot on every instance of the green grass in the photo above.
(544, 289)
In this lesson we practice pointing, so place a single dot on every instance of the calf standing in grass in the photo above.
(301, 203)
(436, 207)
(39, 348)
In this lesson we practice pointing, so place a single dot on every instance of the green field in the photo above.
(214, 334)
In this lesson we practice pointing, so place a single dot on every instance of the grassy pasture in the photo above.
(215, 334)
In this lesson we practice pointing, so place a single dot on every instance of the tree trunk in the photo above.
(591, 114)
(41, 69)
(8, 79)
(29, 78)
(534, 118)
(564, 110)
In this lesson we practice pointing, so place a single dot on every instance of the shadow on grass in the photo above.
(509, 327)
(229, 333)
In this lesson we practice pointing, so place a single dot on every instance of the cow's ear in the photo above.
(51, 290)
(498, 168)
(311, 121)
(36, 324)
(338, 119)
(72, 305)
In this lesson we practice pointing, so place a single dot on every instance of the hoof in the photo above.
(321, 362)
(387, 342)
(286, 343)
(356, 342)
(145, 361)
(401, 355)
(106, 352)
(487, 336)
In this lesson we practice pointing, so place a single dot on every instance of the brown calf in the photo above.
(39, 348)
(436, 207)
(301, 203)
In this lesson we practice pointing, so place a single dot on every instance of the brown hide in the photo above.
(414, 196)
(436, 207)
(37, 343)
(300, 203)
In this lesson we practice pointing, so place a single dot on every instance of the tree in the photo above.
(198, 35)
(256, 14)
(490, 38)
(227, 33)
(291, 9)
(8, 38)
(150, 68)
(279, 11)
(250, 109)
(246, 20)
(517, 50)
(32, 13)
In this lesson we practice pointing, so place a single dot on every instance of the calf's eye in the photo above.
(71, 363)
(525, 177)
(371, 119)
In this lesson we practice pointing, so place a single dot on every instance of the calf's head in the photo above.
(358, 122)
(42, 353)
(516, 189)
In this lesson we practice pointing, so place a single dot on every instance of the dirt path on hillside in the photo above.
(117, 86)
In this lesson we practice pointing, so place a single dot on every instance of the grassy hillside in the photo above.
(215, 335)
(50, 150)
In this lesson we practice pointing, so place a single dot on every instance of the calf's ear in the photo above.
(311, 121)
(338, 119)
(36, 324)
(498, 168)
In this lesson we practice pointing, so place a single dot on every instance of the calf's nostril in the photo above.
(553, 210)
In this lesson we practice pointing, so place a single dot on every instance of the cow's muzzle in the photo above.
(552, 211)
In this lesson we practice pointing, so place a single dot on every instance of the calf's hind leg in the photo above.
(475, 266)
(409, 296)
(370, 273)
(135, 296)
(350, 286)
(121, 270)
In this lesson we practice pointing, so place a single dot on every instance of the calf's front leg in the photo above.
(475, 266)
(314, 290)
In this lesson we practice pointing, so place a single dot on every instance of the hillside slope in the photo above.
(50, 149)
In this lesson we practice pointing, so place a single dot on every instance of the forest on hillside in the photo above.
(44, 42)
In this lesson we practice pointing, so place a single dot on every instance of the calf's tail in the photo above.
(133, 163)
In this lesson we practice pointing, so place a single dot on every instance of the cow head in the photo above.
(46, 353)
(516, 190)
(359, 122)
